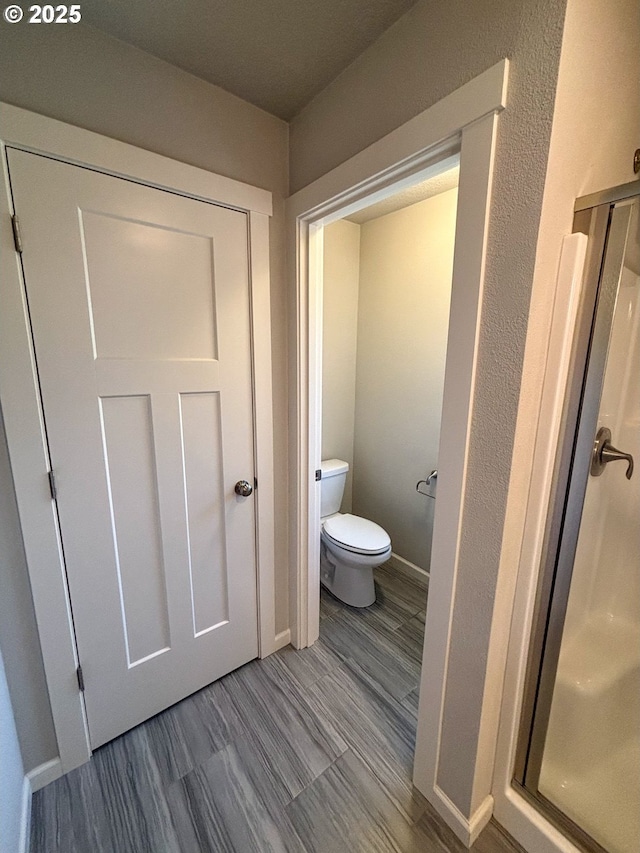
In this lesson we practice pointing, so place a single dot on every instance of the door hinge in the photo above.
(318, 474)
(17, 235)
(52, 486)
(80, 677)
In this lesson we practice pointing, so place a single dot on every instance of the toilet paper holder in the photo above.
(431, 480)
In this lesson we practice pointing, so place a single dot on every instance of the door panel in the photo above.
(139, 307)
(133, 499)
(200, 414)
(131, 268)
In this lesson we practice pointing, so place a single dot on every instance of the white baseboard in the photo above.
(467, 829)
(44, 773)
(283, 639)
(409, 569)
(25, 817)
(480, 818)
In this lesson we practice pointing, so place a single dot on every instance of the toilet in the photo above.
(350, 546)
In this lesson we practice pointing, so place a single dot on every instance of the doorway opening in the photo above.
(462, 130)
(386, 288)
(387, 272)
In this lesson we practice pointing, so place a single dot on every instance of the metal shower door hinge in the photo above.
(80, 678)
(318, 474)
(52, 486)
(17, 236)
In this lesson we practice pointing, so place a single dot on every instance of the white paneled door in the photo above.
(139, 305)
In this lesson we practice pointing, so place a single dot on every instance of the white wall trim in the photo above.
(45, 773)
(480, 818)
(283, 639)
(474, 193)
(524, 822)
(42, 135)
(464, 121)
(409, 569)
(29, 465)
(467, 829)
(23, 414)
(35, 780)
(377, 166)
(263, 419)
(25, 817)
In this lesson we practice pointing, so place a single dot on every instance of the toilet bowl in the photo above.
(350, 546)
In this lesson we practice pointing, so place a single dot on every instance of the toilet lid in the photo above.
(357, 534)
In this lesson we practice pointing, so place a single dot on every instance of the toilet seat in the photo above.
(357, 535)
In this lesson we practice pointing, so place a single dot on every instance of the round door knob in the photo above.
(243, 488)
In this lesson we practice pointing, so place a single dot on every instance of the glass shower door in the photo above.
(583, 761)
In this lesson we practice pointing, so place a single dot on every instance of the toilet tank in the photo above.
(334, 477)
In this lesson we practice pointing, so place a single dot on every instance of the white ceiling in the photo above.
(412, 195)
(276, 54)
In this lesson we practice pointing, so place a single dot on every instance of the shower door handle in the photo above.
(604, 452)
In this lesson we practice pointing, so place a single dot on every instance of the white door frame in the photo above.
(23, 416)
(462, 124)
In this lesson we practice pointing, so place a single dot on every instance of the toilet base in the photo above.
(351, 584)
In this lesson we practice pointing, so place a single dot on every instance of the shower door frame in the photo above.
(594, 217)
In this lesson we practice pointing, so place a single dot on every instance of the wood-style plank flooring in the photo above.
(305, 751)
